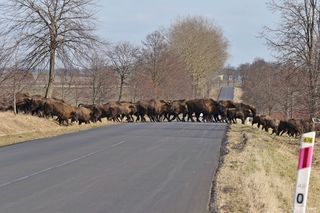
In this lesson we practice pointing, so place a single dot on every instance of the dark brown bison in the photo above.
(158, 110)
(208, 107)
(62, 110)
(227, 104)
(104, 110)
(247, 110)
(96, 113)
(36, 105)
(291, 127)
(178, 107)
(233, 114)
(268, 122)
(82, 115)
(22, 102)
(141, 110)
(258, 119)
(248, 107)
(118, 110)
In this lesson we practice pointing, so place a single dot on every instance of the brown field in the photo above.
(259, 173)
(19, 128)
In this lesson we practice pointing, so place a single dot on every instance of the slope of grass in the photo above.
(19, 128)
(259, 173)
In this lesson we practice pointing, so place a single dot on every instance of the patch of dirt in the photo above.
(241, 145)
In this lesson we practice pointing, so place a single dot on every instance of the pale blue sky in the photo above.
(240, 20)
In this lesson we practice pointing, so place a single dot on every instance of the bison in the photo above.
(208, 107)
(291, 127)
(158, 110)
(62, 110)
(233, 114)
(178, 107)
(96, 113)
(267, 122)
(258, 119)
(82, 115)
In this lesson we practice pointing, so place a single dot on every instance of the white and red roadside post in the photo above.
(304, 170)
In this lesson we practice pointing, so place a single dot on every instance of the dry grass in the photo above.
(19, 128)
(259, 171)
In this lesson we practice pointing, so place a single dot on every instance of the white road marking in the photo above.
(55, 167)
(117, 144)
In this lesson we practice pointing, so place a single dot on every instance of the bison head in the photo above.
(74, 117)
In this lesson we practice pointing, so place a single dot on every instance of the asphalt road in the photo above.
(226, 93)
(136, 168)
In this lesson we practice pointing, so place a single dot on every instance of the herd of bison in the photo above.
(200, 110)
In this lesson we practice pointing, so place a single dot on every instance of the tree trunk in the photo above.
(121, 86)
(269, 110)
(312, 103)
(49, 89)
(77, 98)
(14, 93)
(155, 90)
(93, 92)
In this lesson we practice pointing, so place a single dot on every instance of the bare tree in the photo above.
(154, 47)
(296, 40)
(6, 59)
(101, 78)
(123, 57)
(176, 81)
(202, 46)
(260, 86)
(96, 72)
(286, 93)
(139, 90)
(47, 30)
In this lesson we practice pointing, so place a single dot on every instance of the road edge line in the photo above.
(212, 203)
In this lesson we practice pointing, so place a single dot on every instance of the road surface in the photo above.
(226, 93)
(136, 168)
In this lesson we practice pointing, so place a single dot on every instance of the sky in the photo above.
(240, 20)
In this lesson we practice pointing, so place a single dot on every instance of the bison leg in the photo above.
(190, 117)
(174, 117)
(198, 117)
(184, 117)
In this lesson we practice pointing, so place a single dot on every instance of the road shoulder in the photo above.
(21, 128)
(258, 173)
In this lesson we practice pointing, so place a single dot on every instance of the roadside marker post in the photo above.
(304, 170)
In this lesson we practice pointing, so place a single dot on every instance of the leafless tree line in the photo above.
(53, 41)
(44, 31)
(296, 41)
(275, 89)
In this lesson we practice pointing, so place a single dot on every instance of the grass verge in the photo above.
(258, 173)
(19, 128)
